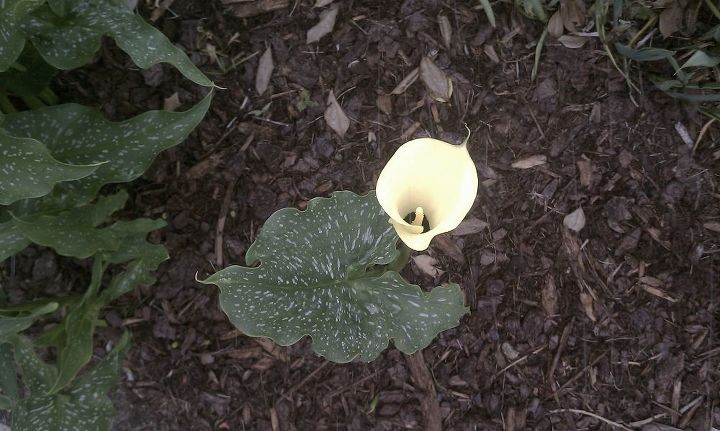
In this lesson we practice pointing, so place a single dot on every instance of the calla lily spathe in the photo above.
(430, 177)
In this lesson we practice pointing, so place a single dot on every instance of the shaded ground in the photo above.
(618, 323)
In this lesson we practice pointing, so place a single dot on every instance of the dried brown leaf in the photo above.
(324, 26)
(575, 221)
(573, 13)
(384, 103)
(530, 162)
(572, 42)
(264, 71)
(446, 30)
(426, 264)
(335, 117)
(587, 302)
(658, 292)
(555, 25)
(406, 81)
(670, 19)
(438, 84)
(469, 226)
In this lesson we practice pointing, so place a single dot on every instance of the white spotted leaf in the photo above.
(77, 232)
(12, 36)
(82, 406)
(11, 240)
(313, 279)
(14, 319)
(8, 379)
(77, 134)
(28, 170)
(71, 41)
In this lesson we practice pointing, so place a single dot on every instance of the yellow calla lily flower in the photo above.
(434, 181)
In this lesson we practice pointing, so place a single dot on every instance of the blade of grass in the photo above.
(538, 53)
(488, 11)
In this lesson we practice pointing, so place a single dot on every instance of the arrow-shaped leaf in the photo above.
(81, 135)
(28, 170)
(12, 37)
(82, 406)
(71, 41)
(312, 280)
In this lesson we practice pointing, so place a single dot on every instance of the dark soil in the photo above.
(616, 324)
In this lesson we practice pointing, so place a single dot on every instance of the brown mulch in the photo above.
(612, 327)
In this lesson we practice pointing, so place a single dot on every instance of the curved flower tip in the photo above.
(432, 181)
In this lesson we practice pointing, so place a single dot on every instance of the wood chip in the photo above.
(244, 9)
(712, 226)
(449, 247)
(406, 82)
(550, 297)
(530, 162)
(324, 26)
(335, 117)
(658, 292)
(264, 72)
(171, 103)
(446, 30)
(575, 221)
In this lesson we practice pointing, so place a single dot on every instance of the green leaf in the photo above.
(82, 406)
(701, 59)
(8, 380)
(12, 322)
(31, 76)
(28, 170)
(532, 9)
(71, 41)
(75, 232)
(487, 7)
(11, 240)
(313, 280)
(80, 135)
(70, 233)
(644, 54)
(12, 37)
(143, 258)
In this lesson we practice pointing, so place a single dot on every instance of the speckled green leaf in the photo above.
(80, 135)
(142, 258)
(71, 41)
(28, 170)
(82, 406)
(12, 36)
(11, 240)
(12, 322)
(312, 280)
(31, 76)
(76, 233)
(8, 380)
